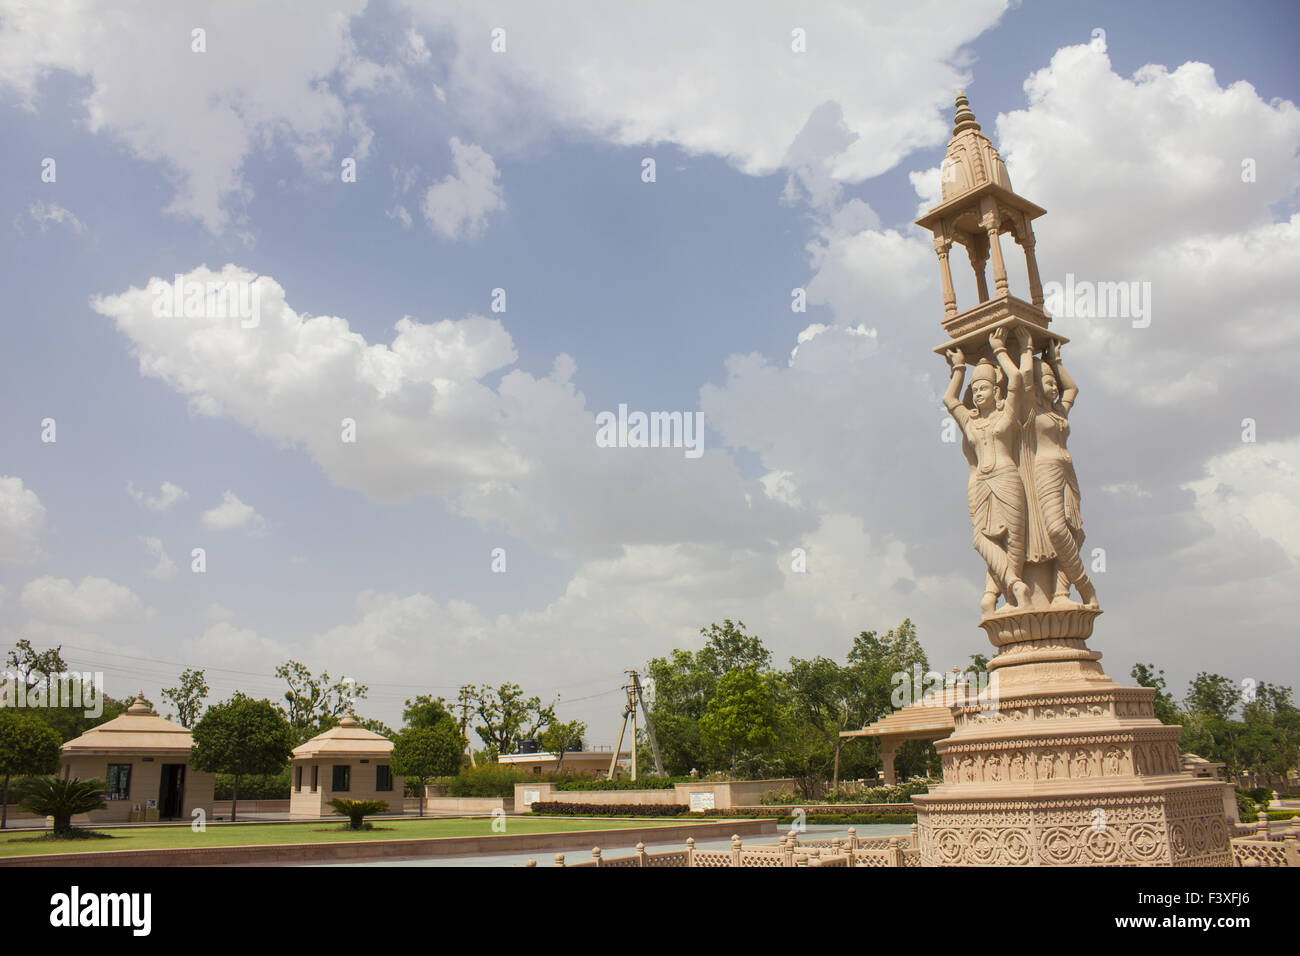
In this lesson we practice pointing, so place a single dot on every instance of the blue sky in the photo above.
(774, 170)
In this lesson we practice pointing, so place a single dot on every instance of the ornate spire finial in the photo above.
(965, 119)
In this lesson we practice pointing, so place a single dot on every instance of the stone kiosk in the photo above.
(144, 761)
(1058, 765)
(347, 762)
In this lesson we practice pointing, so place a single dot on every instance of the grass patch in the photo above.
(260, 834)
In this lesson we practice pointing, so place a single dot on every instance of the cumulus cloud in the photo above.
(44, 214)
(232, 514)
(722, 79)
(167, 496)
(91, 601)
(521, 455)
(164, 570)
(22, 520)
(458, 207)
(215, 107)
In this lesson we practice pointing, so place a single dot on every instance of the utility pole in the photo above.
(649, 727)
(464, 704)
(635, 697)
(629, 710)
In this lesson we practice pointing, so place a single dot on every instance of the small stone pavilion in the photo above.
(145, 762)
(345, 762)
(917, 722)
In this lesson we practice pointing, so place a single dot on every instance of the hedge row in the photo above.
(609, 809)
(855, 819)
(252, 786)
(596, 783)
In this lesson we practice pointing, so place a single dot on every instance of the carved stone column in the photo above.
(888, 751)
(941, 247)
(989, 221)
(1031, 262)
(978, 256)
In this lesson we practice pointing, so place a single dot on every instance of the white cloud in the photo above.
(265, 77)
(458, 207)
(415, 50)
(718, 78)
(521, 455)
(400, 213)
(168, 495)
(233, 514)
(92, 601)
(43, 214)
(1254, 489)
(164, 570)
(22, 520)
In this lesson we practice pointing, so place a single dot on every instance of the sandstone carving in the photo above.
(1073, 769)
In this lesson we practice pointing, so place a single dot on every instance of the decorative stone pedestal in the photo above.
(1061, 766)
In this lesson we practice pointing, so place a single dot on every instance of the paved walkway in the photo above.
(815, 831)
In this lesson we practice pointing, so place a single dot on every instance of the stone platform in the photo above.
(1058, 765)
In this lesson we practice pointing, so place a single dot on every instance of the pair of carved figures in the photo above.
(1023, 493)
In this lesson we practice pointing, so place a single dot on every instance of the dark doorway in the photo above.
(171, 794)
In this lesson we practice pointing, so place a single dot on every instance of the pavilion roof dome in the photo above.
(348, 739)
(138, 730)
(971, 160)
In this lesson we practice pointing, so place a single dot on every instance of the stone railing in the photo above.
(1259, 846)
(789, 851)
(1262, 845)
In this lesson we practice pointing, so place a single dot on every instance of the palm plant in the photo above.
(357, 810)
(60, 799)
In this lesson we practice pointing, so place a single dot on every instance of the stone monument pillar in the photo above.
(1056, 764)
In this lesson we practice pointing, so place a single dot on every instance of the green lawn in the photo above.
(245, 834)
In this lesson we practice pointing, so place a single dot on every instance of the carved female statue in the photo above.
(991, 431)
(1051, 475)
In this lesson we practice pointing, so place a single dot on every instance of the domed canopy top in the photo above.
(972, 159)
(346, 739)
(139, 730)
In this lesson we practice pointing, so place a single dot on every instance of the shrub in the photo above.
(62, 799)
(1246, 807)
(854, 819)
(610, 809)
(487, 780)
(1261, 795)
(357, 810)
(271, 786)
(599, 783)
(849, 793)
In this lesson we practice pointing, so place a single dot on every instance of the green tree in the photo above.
(187, 697)
(377, 726)
(561, 738)
(1147, 676)
(881, 662)
(62, 799)
(680, 687)
(507, 717)
(1213, 695)
(28, 746)
(423, 753)
(312, 704)
(31, 665)
(825, 696)
(740, 720)
(425, 711)
(242, 736)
